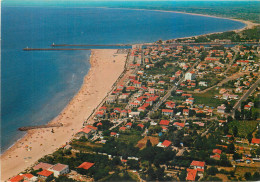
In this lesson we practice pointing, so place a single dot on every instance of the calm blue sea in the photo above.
(36, 86)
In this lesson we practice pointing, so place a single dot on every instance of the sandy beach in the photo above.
(104, 71)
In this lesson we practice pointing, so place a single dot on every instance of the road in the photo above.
(245, 96)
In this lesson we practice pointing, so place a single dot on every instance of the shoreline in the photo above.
(36, 143)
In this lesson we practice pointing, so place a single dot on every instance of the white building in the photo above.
(189, 76)
(59, 169)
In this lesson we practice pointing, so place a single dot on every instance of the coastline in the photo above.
(40, 142)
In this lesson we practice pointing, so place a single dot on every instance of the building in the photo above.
(221, 109)
(45, 174)
(191, 174)
(167, 112)
(189, 76)
(86, 165)
(42, 165)
(59, 169)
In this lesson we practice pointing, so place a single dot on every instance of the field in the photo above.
(244, 127)
(142, 143)
(208, 98)
(132, 137)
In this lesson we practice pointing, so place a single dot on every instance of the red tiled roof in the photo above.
(129, 124)
(91, 127)
(42, 165)
(255, 141)
(45, 173)
(28, 175)
(85, 130)
(59, 167)
(191, 175)
(198, 163)
(164, 122)
(166, 143)
(122, 128)
(140, 125)
(86, 165)
(217, 151)
(179, 124)
(17, 178)
(167, 110)
(113, 133)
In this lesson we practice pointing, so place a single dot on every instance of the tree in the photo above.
(248, 176)
(148, 143)
(237, 115)
(237, 156)
(231, 148)
(183, 175)
(249, 137)
(256, 176)
(212, 171)
(235, 131)
(225, 129)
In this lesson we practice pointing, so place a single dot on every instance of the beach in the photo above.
(106, 67)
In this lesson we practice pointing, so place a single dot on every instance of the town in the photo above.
(177, 113)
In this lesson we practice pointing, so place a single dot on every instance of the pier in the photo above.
(26, 128)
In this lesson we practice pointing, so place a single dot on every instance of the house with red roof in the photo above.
(86, 165)
(217, 151)
(191, 174)
(42, 165)
(216, 157)
(129, 125)
(141, 126)
(164, 123)
(100, 114)
(123, 113)
(167, 112)
(122, 129)
(141, 109)
(59, 169)
(247, 107)
(87, 131)
(197, 165)
(185, 112)
(17, 178)
(179, 125)
(114, 134)
(45, 173)
(255, 141)
(170, 105)
(29, 177)
(166, 143)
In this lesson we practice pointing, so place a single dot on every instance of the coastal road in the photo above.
(245, 96)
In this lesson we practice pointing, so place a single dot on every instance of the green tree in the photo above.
(248, 176)
(183, 175)
(235, 131)
(212, 171)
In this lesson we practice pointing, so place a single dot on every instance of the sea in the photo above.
(37, 85)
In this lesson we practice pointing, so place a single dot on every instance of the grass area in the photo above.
(87, 146)
(241, 170)
(207, 98)
(132, 137)
(244, 127)
(120, 177)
